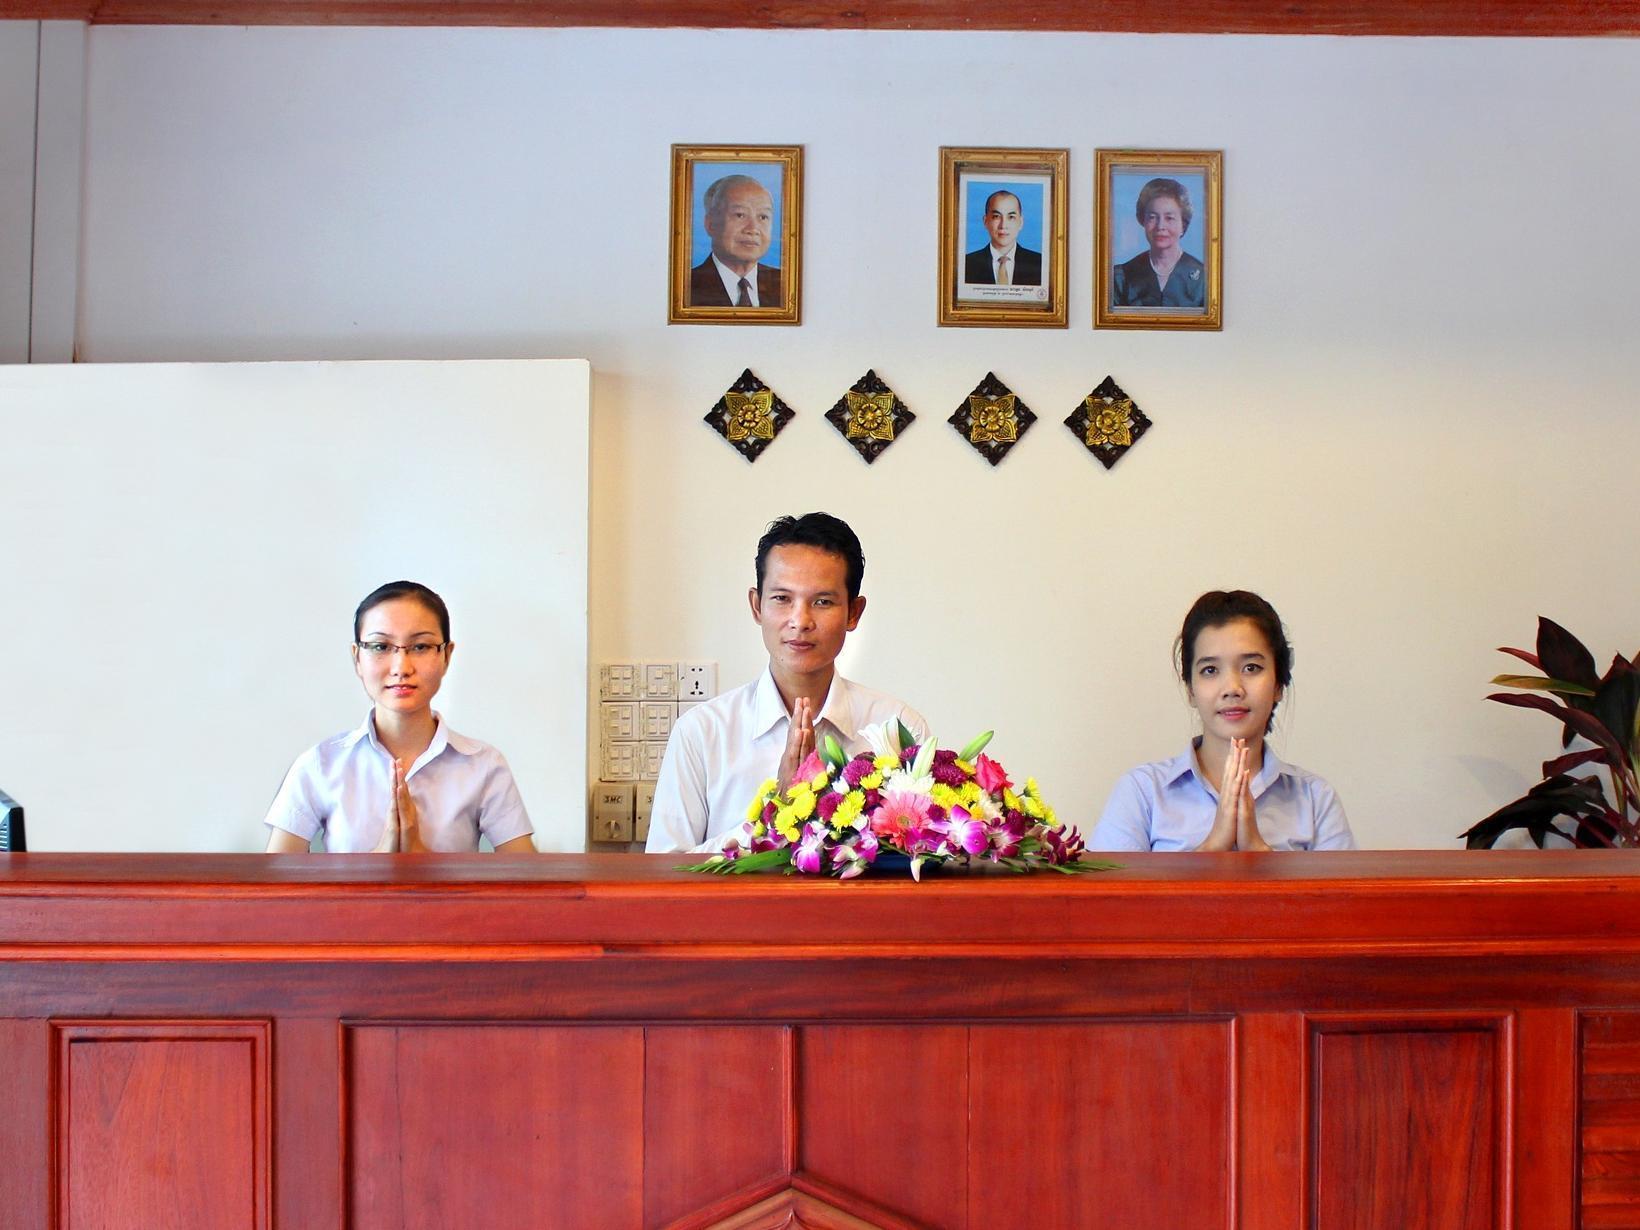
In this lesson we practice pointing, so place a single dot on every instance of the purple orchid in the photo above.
(966, 833)
(853, 856)
(808, 856)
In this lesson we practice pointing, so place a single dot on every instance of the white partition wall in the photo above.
(181, 549)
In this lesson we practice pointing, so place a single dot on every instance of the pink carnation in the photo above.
(828, 804)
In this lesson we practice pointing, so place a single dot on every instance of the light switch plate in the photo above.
(612, 811)
(617, 681)
(658, 681)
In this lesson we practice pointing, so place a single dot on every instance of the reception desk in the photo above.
(1420, 1041)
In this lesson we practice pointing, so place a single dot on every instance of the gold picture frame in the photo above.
(762, 187)
(1186, 189)
(1017, 285)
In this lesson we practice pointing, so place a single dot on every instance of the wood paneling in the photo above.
(25, 1116)
(1337, 1042)
(884, 1114)
(1142, 1106)
(1431, 17)
(161, 1123)
(448, 1125)
(718, 1116)
(1609, 1191)
(1408, 1125)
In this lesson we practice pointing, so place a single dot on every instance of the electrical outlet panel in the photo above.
(620, 762)
(619, 721)
(618, 681)
(655, 719)
(649, 759)
(640, 814)
(658, 681)
(697, 680)
(612, 804)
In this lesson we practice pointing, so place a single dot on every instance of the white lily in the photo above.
(884, 738)
(919, 778)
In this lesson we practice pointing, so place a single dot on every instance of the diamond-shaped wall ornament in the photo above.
(870, 417)
(992, 418)
(749, 416)
(1107, 422)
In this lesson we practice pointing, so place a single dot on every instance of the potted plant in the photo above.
(1600, 709)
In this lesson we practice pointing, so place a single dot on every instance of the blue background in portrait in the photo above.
(768, 174)
(1030, 200)
(1128, 237)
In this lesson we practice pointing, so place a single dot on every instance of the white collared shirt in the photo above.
(731, 282)
(344, 787)
(1169, 805)
(721, 752)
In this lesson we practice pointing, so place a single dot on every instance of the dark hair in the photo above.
(815, 529)
(403, 589)
(1218, 607)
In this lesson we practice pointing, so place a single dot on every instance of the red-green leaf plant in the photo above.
(1604, 711)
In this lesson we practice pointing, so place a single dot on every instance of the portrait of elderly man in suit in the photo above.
(740, 219)
(1002, 261)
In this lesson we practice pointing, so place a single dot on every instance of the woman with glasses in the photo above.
(403, 781)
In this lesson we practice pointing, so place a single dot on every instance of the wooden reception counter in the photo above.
(1421, 1041)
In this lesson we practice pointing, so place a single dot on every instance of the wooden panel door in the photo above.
(1409, 1124)
(161, 1123)
(478, 1125)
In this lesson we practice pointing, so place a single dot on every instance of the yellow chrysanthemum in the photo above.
(943, 795)
(803, 804)
(1051, 820)
(966, 767)
(759, 828)
(886, 763)
(756, 809)
(1032, 807)
(819, 780)
(768, 790)
(850, 812)
(1032, 790)
(872, 781)
(785, 823)
(1010, 800)
(970, 793)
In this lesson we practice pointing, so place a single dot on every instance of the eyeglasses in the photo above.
(421, 651)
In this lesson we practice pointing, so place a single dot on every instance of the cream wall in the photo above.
(1416, 431)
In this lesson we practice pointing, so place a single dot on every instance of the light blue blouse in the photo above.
(1167, 805)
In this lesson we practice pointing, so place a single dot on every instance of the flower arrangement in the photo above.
(900, 802)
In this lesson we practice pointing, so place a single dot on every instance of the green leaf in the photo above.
(976, 745)
(763, 860)
(1539, 683)
(906, 737)
(832, 751)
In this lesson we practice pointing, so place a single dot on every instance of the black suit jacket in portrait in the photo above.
(1027, 267)
(706, 288)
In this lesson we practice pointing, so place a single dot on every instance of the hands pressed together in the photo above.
(1235, 822)
(799, 740)
(402, 832)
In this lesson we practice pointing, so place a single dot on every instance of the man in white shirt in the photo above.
(806, 601)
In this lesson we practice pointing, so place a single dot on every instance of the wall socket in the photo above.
(697, 680)
(612, 811)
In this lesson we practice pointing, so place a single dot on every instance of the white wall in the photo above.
(1416, 431)
(182, 549)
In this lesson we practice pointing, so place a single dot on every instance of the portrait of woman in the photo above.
(1164, 275)
(1158, 227)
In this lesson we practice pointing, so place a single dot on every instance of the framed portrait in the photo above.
(737, 229)
(1158, 223)
(1003, 236)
